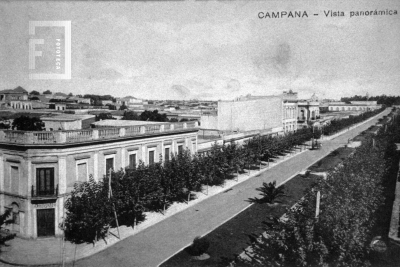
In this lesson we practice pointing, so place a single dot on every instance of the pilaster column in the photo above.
(96, 166)
(144, 158)
(29, 217)
(123, 157)
(62, 174)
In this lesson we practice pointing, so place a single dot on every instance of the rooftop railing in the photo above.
(87, 135)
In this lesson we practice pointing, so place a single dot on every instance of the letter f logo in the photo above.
(34, 53)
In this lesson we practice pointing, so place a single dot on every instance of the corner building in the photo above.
(39, 169)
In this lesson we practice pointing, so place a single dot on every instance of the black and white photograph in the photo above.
(192, 133)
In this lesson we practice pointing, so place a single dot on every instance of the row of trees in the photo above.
(47, 92)
(338, 125)
(95, 99)
(146, 115)
(352, 198)
(24, 123)
(90, 208)
(386, 100)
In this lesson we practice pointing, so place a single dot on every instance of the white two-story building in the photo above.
(39, 169)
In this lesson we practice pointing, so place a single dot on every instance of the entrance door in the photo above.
(45, 222)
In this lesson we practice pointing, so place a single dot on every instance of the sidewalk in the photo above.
(152, 244)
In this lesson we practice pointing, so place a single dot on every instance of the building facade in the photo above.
(289, 111)
(39, 169)
(354, 106)
(18, 93)
(246, 114)
(308, 112)
(21, 104)
(289, 121)
(130, 102)
(67, 122)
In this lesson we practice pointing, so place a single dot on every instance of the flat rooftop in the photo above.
(66, 117)
(124, 123)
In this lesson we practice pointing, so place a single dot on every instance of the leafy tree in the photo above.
(104, 116)
(4, 219)
(96, 102)
(34, 93)
(47, 92)
(351, 196)
(338, 125)
(153, 116)
(382, 99)
(130, 115)
(25, 123)
(70, 94)
(123, 107)
(4, 125)
(89, 212)
(111, 107)
(34, 98)
(96, 99)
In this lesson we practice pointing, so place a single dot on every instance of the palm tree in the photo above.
(269, 193)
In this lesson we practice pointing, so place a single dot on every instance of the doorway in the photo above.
(45, 222)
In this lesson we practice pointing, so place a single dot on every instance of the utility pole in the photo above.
(312, 140)
(317, 205)
(109, 196)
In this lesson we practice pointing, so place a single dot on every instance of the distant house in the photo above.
(15, 98)
(354, 105)
(43, 98)
(81, 100)
(130, 102)
(18, 93)
(106, 102)
(20, 104)
(60, 96)
(60, 106)
(67, 122)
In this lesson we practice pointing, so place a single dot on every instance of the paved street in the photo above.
(157, 243)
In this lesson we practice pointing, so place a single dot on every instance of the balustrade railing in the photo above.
(167, 127)
(132, 130)
(190, 124)
(76, 136)
(15, 136)
(108, 132)
(44, 137)
(178, 126)
(152, 128)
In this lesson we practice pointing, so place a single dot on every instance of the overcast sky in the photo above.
(210, 50)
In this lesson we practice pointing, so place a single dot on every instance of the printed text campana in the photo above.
(324, 13)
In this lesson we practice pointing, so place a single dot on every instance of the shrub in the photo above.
(199, 246)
